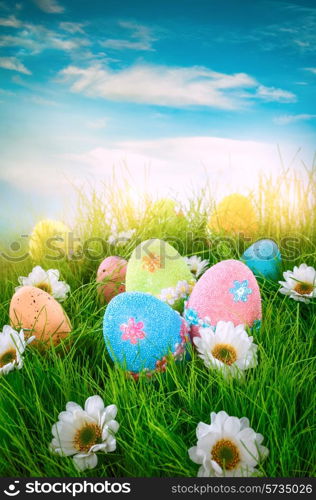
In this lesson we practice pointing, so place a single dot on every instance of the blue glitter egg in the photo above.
(140, 331)
(264, 259)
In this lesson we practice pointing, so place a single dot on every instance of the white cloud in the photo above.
(43, 186)
(13, 64)
(294, 29)
(22, 82)
(184, 164)
(301, 43)
(72, 27)
(140, 38)
(49, 6)
(170, 86)
(6, 92)
(42, 101)
(14, 41)
(97, 124)
(311, 70)
(67, 45)
(10, 22)
(36, 38)
(286, 119)
(160, 85)
(175, 167)
(274, 94)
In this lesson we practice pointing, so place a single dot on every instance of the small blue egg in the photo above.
(264, 259)
(139, 330)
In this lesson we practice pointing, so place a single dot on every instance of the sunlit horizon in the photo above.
(178, 105)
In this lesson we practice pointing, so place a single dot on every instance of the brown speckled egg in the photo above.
(39, 314)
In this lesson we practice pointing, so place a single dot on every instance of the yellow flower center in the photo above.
(7, 357)
(45, 287)
(225, 353)
(226, 454)
(87, 436)
(303, 288)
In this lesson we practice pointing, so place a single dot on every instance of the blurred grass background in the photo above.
(158, 417)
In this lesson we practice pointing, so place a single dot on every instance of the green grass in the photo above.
(158, 417)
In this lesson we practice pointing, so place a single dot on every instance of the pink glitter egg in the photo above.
(228, 291)
(111, 274)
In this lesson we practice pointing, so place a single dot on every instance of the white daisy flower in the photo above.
(228, 447)
(227, 348)
(196, 265)
(183, 289)
(168, 295)
(299, 284)
(172, 294)
(12, 347)
(81, 433)
(47, 281)
(120, 238)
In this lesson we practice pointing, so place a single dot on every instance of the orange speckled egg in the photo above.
(39, 314)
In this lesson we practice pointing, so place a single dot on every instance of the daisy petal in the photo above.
(94, 406)
(83, 462)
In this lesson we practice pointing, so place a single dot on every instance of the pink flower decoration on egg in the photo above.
(184, 332)
(132, 331)
(161, 365)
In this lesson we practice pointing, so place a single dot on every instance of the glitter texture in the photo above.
(211, 296)
(163, 326)
(172, 268)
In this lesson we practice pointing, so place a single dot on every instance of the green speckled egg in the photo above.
(156, 267)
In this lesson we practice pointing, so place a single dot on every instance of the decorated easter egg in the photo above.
(228, 291)
(264, 259)
(235, 214)
(156, 267)
(111, 276)
(39, 314)
(51, 238)
(140, 332)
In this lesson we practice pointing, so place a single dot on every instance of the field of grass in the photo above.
(158, 416)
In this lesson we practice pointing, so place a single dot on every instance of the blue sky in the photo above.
(188, 88)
